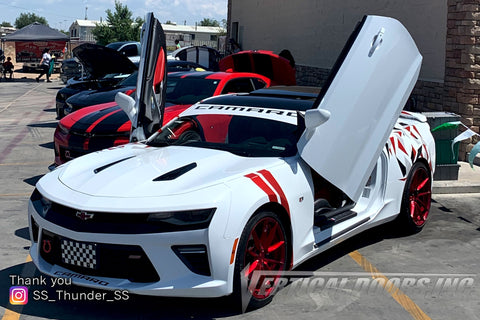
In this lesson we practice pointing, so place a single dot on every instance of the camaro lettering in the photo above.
(249, 109)
(80, 276)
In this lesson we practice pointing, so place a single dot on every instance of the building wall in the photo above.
(315, 31)
(462, 66)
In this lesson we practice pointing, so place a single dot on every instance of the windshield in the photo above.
(189, 90)
(130, 81)
(240, 135)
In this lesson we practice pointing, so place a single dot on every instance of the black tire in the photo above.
(267, 224)
(416, 199)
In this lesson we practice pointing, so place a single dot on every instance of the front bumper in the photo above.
(147, 264)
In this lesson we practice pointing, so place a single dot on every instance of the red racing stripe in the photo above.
(262, 185)
(273, 182)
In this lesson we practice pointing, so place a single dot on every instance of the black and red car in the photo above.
(106, 125)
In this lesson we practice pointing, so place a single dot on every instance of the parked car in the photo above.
(106, 125)
(91, 97)
(131, 49)
(276, 67)
(71, 68)
(200, 54)
(105, 67)
(242, 187)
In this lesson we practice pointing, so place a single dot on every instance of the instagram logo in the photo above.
(18, 295)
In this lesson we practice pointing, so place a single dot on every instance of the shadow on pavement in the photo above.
(50, 300)
(43, 125)
(48, 145)
(23, 233)
(33, 180)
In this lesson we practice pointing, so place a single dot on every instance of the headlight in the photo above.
(68, 108)
(41, 204)
(62, 128)
(190, 219)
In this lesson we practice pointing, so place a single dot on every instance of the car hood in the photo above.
(93, 97)
(100, 61)
(136, 170)
(109, 119)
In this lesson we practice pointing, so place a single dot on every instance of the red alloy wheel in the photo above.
(420, 196)
(265, 251)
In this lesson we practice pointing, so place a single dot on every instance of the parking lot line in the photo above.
(24, 163)
(12, 315)
(397, 294)
(25, 94)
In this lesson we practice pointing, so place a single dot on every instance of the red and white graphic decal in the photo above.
(406, 145)
(267, 182)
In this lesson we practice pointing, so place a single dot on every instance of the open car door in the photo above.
(357, 108)
(146, 111)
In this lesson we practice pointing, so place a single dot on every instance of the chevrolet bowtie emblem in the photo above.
(82, 215)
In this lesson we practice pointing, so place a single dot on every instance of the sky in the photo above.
(60, 14)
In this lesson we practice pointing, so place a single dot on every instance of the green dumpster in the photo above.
(446, 161)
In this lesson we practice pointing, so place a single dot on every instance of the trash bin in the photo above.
(446, 161)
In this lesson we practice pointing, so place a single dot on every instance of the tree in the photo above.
(119, 26)
(206, 22)
(24, 19)
(6, 24)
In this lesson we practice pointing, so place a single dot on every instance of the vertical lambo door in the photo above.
(357, 108)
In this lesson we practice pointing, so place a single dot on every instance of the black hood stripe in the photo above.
(111, 123)
(87, 120)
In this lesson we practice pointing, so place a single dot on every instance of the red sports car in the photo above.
(106, 125)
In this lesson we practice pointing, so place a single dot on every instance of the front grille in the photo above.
(109, 222)
(98, 259)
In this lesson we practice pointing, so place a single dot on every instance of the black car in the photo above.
(105, 67)
(91, 97)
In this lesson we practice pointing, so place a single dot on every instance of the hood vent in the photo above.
(174, 174)
(110, 164)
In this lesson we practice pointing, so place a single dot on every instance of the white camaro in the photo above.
(241, 183)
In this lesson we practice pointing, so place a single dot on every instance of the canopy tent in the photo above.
(36, 32)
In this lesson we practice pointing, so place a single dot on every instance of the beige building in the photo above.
(447, 33)
(192, 35)
(81, 30)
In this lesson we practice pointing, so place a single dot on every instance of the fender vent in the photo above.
(174, 174)
(110, 164)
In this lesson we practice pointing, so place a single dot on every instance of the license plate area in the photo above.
(80, 254)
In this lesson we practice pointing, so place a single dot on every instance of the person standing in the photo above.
(45, 64)
(177, 44)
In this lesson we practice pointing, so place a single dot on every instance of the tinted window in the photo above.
(190, 90)
(130, 50)
(258, 84)
(238, 85)
(240, 135)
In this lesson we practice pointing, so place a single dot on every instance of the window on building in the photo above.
(213, 37)
(234, 34)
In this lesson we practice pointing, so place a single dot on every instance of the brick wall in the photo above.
(462, 66)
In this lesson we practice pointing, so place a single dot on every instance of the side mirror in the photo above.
(127, 104)
(316, 117)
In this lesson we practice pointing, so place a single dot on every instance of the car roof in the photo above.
(295, 98)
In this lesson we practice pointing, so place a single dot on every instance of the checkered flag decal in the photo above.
(79, 254)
